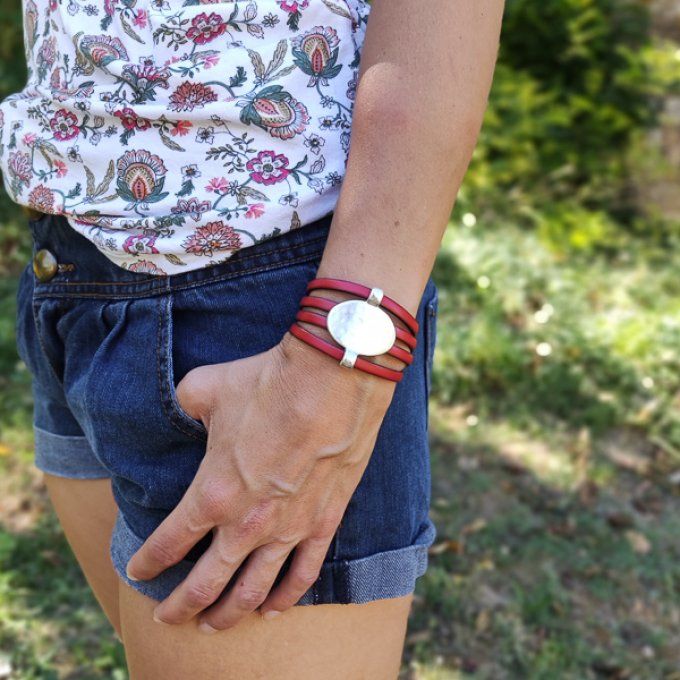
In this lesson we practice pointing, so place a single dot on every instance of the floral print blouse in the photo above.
(172, 133)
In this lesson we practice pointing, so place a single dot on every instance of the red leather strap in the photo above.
(337, 353)
(364, 291)
(327, 305)
(320, 320)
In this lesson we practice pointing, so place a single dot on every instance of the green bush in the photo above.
(576, 82)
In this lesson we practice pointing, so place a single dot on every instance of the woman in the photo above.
(210, 460)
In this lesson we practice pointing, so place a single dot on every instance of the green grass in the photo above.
(553, 488)
(50, 623)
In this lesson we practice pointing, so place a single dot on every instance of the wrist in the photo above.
(320, 368)
(406, 286)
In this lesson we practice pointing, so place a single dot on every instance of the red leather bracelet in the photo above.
(326, 304)
(364, 291)
(337, 353)
(320, 321)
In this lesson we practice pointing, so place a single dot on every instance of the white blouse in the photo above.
(172, 133)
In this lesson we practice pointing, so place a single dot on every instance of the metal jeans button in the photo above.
(44, 265)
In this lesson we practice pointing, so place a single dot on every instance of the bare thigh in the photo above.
(307, 642)
(87, 512)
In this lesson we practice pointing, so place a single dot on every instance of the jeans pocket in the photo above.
(181, 420)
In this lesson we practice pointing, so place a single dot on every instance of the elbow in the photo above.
(385, 106)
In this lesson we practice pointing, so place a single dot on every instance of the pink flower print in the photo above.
(146, 75)
(293, 6)
(268, 167)
(320, 38)
(141, 176)
(29, 139)
(188, 96)
(192, 207)
(283, 118)
(101, 50)
(140, 245)
(214, 236)
(254, 211)
(20, 167)
(64, 125)
(211, 60)
(218, 185)
(55, 79)
(48, 52)
(60, 167)
(130, 120)
(181, 128)
(146, 267)
(206, 27)
(140, 19)
(316, 54)
(42, 199)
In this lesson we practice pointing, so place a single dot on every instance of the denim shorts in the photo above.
(106, 347)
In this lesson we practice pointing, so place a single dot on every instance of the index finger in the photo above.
(170, 541)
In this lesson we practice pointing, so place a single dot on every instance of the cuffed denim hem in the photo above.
(387, 574)
(66, 456)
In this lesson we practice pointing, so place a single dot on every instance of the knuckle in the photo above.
(256, 521)
(161, 553)
(278, 550)
(214, 500)
(225, 556)
(304, 577)
(250, 597)
(198, 595)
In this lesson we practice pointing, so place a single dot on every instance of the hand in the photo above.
(290, 433)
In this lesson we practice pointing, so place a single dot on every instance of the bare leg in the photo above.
(307, 642)
(87, 512)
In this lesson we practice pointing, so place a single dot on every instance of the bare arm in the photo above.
(426, 70)
(284, 455)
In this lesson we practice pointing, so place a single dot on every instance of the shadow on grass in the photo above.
(555, 558)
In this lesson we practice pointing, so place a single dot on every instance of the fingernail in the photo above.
(156, 618)
(129, 575)
(205, 627)
(270, 614)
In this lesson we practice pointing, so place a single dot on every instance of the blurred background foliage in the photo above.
(556, 391)
(559, 218)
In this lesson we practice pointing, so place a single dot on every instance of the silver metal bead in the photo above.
(375, 297)
(348, 359)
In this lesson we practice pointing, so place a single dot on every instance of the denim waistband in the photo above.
(84, 271)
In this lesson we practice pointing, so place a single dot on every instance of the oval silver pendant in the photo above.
(361, 328)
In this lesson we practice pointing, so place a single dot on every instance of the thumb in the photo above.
(196, 391)
(205, 387)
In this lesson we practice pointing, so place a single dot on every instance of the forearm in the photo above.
(426, 70)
